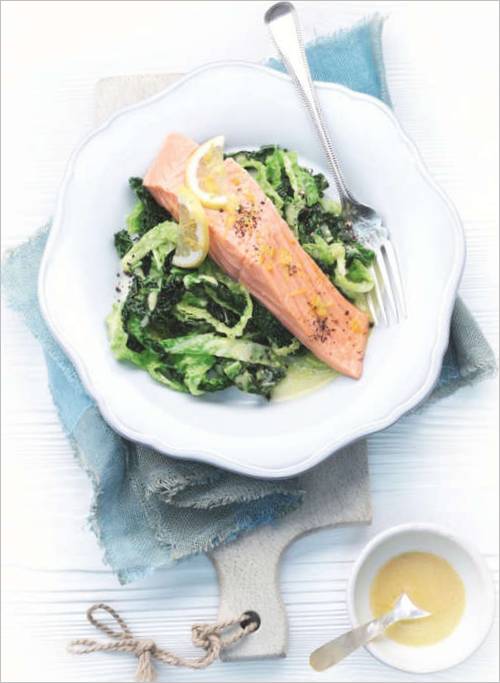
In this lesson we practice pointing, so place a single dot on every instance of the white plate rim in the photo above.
(331, 445)
(474, 555)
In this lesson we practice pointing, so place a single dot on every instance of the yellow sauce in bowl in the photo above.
(432, 584)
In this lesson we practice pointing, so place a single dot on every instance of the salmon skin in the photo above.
(252, 243)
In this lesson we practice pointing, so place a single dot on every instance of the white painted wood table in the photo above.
(440, 466)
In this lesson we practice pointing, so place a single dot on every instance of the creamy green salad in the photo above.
(198, 330)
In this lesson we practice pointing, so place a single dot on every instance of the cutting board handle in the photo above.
(247, 583)
(336, 492)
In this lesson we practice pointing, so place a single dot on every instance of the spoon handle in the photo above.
(283, 24)
(332, 652)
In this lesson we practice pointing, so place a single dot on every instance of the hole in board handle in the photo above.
(250, 617)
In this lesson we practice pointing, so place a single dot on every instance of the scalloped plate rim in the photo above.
(331, 445)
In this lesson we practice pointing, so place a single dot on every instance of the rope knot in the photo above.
(143, 646)
(145, 650)
(207, 636)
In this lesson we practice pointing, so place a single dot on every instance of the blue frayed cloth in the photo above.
(150, 509)
(351, 57)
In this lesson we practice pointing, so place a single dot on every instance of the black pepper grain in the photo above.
(246, 221)
(322, 330)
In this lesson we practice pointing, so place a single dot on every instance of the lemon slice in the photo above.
(193, 238)
(205, 173)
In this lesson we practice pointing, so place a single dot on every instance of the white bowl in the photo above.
(253, 105)
(479, 596)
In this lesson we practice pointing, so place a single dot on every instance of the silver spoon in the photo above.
(332, 652)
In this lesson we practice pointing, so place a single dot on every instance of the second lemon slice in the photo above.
(193, 240)
(205, 173)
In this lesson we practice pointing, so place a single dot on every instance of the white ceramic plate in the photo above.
(479, 596)
(252, 105)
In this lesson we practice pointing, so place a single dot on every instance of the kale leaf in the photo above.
(266, 327)
(152, 213)
(123, 242)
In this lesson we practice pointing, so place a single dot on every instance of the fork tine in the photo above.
(393, 262)
(386, 280)
(379, 295)
(372, 307)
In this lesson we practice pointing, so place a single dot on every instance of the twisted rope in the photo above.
(206, 636)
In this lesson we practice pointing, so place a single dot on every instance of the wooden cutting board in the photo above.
(336, 491)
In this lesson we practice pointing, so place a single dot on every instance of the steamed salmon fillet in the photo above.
(252, 243)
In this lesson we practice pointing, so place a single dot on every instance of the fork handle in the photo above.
(284, 27)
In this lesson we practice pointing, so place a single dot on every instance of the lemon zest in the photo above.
(319, 306)
(356, 326)
(298, 292)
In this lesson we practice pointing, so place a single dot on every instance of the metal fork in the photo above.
(387, 298)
